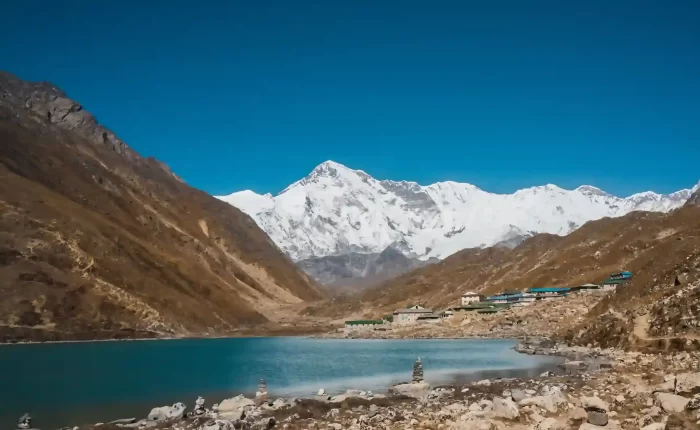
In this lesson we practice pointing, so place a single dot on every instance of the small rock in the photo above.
(321, 392)
(597, 418)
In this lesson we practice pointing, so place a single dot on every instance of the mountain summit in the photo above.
(335, 210)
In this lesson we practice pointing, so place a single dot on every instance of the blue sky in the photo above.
(502, 94)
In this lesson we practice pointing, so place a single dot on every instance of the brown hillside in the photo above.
(648, 244)
(96, 241)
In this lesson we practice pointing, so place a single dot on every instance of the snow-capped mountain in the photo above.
(335, 210)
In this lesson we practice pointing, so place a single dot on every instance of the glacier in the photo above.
(335, 210)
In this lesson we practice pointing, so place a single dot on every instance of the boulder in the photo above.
(279, 404)
(612, 425)
(235, 408)
(321, 392)
(518, 395)
(577, 414)
(164, 413)
(597, 418)
(504, 408)
(415, 390)
(550, 400)
(594, 403)
(655, 426)
(688, 383)
(550, 424)
(693, 404)
(671, 402)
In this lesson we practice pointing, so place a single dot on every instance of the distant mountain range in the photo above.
(336, 211)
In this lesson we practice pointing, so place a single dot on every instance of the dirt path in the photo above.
(641, 331)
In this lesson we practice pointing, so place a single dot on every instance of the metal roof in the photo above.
(362, 322)
(548, 290)
(414, 311)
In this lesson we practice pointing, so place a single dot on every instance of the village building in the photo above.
(616, 279)
(506, 297)
(549, 293)
(410, 315)
(525, 299)
(430, 318)
(585, 288)
(362, 325)
(471, 297)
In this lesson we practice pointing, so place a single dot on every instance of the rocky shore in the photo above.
(599, 389)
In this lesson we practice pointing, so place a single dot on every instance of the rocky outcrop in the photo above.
(48, 103)
(355, 270)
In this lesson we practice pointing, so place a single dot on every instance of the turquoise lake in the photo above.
(66, 384)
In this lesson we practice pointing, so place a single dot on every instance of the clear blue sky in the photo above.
(502, 94)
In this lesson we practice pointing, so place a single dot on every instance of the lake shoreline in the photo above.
(593, 384)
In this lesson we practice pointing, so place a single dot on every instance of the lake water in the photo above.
(76, 383)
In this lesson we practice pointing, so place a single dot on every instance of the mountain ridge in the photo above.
(99, 242)
(336, 210)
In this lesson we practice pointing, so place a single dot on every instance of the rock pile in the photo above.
(418, 371)
(262, 390)
(25, 422)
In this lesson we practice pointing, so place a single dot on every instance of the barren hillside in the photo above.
(654, 246)
(96, 241)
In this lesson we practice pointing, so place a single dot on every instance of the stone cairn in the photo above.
(262, 390)
(418, 371)
(199, 406)
(25, 422)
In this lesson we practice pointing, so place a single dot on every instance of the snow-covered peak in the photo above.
(590, 190)
(335, 210)
(251, 201)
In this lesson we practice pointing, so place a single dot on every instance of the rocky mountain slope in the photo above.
(336, 210)
(657, 247)
(354, 270)
(98, 242)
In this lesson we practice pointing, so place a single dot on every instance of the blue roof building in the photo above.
(552, 290)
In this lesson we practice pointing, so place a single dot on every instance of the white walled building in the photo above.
(471, 297)
(410, 315)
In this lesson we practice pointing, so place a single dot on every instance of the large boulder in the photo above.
(235, 408)
(688, 383)
(504, 408)
(164, 413)
(550, 400)
(594, 403)
(415, 390)
(671, 402)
